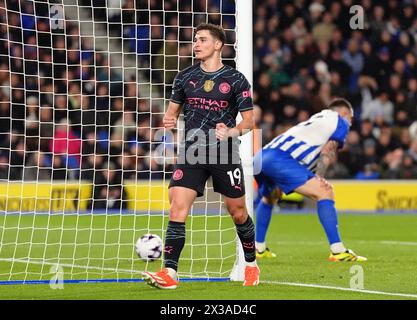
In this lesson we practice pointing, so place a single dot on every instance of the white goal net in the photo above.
(83, 88)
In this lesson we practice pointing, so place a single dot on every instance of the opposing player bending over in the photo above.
(212, 95)
(287, 164)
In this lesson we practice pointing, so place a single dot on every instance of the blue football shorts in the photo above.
(279, 169)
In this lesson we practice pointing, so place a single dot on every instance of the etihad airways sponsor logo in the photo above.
(204, 103)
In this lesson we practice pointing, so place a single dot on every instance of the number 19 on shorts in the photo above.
(235, 175)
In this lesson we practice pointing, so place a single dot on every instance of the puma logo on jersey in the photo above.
(193, 83)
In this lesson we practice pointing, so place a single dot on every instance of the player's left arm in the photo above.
(327, 155)
(247, 124)
(244, 126)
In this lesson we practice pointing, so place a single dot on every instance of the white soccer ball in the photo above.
(149, 247)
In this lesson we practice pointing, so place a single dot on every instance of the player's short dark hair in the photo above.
(339, 103)
(215, 30)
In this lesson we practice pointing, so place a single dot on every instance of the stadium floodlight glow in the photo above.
(81, 175)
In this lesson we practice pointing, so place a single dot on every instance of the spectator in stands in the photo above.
(90, 165)
(351, 154)
(108, 193)
(34, 169)
(46, 125)
(403, 110)
(4, 166)
(408, 168)
(17, 158)
(412, 151)
(370, 172)
(126, 126)
(392, 162)
(32, 116)
(315, 12)
(267, 126)
(405, 139)
(353, 57)
(322, 32)
(66, 145)
(380, 109)
(337, 170)
(263, 90)
(411, 96)
(32, 124)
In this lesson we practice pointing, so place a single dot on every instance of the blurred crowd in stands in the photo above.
(307, 52)
(67, 113)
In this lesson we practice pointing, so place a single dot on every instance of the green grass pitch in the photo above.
(389, 242)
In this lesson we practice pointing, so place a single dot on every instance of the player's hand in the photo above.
(169, 122)
(222, 131)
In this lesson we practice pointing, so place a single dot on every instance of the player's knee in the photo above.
(240, 217)
(272, 198)
(238, 213)
(269, 200)
(324, 193)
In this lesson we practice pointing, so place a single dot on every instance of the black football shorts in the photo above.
(227, 178)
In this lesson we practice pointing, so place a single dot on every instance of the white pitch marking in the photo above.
(403, 243)
(293, 284)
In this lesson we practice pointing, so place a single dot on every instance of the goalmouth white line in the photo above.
(291, 284)
(294, 284)
(67, 265)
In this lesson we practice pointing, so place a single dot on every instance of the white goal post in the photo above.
(244, 63)
(83, 88)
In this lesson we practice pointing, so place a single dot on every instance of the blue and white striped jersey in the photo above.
(305, 141)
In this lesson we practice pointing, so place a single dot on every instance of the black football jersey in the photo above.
(209, 98)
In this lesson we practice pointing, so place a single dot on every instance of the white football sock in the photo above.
(251, 264)
(260, 246)
(337, 247)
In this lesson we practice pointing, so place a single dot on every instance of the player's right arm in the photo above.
(336, 141)
(172, 114)
(327, 155)
(175, 104)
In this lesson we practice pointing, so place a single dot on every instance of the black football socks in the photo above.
(246, 234)
(174, 243)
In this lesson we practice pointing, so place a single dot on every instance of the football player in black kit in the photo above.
(211, 95)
